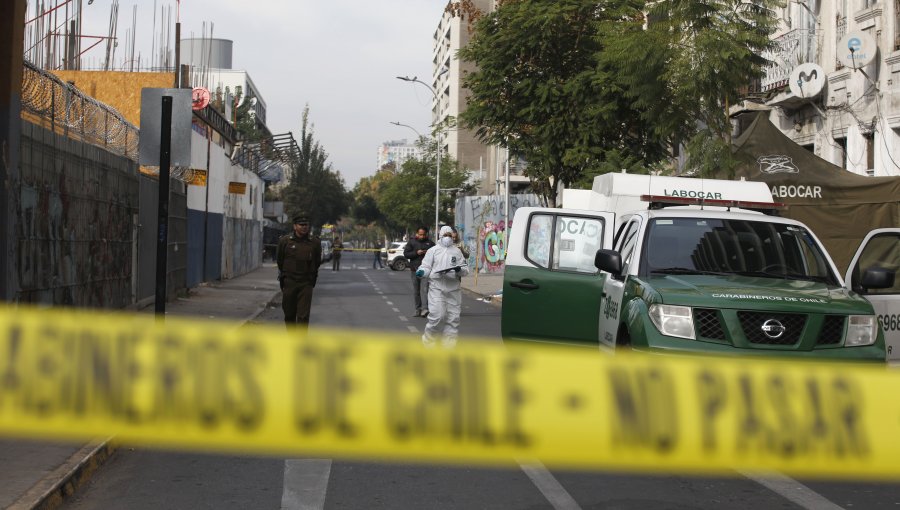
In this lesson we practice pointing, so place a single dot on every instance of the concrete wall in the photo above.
(76, 217)
(481, 225)
(224, 226)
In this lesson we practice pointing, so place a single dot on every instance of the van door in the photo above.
(880, 248)
(551, 289)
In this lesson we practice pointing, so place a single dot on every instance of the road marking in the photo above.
(549, 486)
(389, 302)
(397, 310)
(792, 490)
(412, 329)
(403, 318)
(305, 483)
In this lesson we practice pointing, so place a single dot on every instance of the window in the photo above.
(870, 152)
(843, 144)
(563, 242)
(540, 231)
(627, 243)
(724, 247)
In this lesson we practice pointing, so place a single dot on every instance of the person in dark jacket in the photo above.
(298, 256)
(414, 253)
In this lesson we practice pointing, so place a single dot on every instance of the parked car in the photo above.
(395, 258)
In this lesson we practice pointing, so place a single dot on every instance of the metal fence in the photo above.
(66, 110)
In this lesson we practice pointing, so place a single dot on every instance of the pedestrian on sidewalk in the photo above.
(414, 252)
(298, 256)
(443, 265)
(377, 259)
(336, 257)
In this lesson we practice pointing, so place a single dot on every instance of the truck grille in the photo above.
(832, 332)
(708, 324)
(752, 324)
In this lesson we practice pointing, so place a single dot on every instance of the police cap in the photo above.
(301, 218)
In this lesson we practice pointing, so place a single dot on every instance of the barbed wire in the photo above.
(75, 114)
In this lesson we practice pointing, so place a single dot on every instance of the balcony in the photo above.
(791, 49)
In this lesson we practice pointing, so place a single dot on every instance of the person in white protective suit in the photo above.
(442, 265)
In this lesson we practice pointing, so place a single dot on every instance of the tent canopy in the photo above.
(839, 206)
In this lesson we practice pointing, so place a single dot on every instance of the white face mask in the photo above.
(446, 241)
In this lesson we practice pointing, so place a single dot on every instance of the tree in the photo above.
(407, 200)
(686, 68)
(314, 187)
(540, 90)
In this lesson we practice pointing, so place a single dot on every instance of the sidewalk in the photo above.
(488, 288)
(37, 474)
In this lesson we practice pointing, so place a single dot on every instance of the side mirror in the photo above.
(609, 261)
(877, 278)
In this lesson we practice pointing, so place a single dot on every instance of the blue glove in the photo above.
(420, 273)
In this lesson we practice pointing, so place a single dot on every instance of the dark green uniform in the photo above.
(298, 261)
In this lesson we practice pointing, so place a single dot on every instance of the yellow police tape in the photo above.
(255, 389)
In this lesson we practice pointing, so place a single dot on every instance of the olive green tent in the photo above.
(839, 206)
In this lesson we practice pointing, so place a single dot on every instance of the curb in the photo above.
(72, 474)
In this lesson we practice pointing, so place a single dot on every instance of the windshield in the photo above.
(728, 247)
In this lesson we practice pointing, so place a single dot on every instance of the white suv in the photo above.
(395, 258)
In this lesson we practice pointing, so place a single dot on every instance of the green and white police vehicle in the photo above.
(669, 264)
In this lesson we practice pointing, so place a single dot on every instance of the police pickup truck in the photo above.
(669, 264)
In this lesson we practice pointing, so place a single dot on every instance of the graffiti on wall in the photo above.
(482, 227)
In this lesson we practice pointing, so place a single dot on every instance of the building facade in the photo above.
(854, 121)
(397, 152)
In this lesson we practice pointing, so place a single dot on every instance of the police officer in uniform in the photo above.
(298, 256)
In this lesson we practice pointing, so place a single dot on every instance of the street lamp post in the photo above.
(437, 173)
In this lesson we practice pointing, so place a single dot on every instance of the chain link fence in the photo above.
(70, 112)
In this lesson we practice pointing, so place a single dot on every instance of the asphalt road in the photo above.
(360, 297)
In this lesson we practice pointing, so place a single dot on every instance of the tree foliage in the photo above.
(314, 187)
(583, 87)
(539, 89)
(688, 66)
(407, 200)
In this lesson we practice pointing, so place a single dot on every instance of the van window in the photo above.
(564, 243)
(540, 232)
(576, 241)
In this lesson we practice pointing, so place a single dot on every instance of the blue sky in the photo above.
(339, 56)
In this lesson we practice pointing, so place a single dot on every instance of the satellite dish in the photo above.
(199, 98)
(856, 50)
(807, 80)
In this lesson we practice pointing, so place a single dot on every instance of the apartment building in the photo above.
(397, 152)
(485, 163)
(853, 119)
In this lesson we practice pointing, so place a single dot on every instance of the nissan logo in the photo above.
(773, 328)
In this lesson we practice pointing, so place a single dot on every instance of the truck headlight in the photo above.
(673, 320)
(861, 330)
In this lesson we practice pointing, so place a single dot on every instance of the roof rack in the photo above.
(662, 201)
